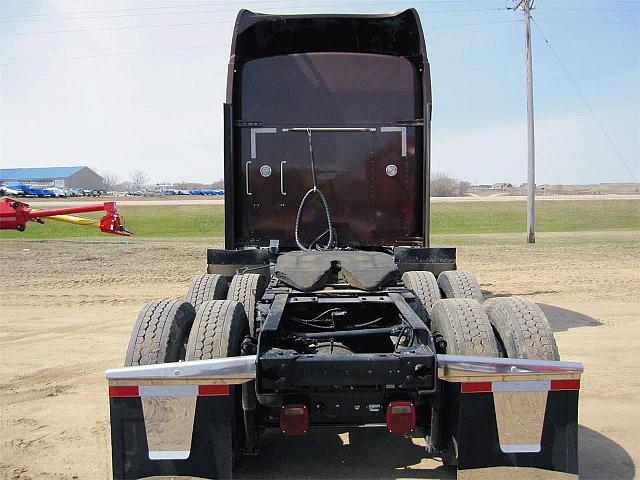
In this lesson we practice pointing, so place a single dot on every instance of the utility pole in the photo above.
(527, 5)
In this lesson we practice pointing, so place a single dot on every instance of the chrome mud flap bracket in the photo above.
(176, 419)
(512, 413)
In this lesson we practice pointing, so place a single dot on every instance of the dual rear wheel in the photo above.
(210, 323)
(509, 327)
(453, 306)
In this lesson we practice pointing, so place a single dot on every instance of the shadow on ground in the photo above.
(562, 319)
(370, 453)
(602, 458)
(373, 453)
(559, 318)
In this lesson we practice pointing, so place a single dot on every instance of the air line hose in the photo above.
(330, 242)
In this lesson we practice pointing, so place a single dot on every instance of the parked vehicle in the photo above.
(54, 192)
(32, 190)
(4, 190)
(342, 314)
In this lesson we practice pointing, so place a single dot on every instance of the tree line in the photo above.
(442, 184)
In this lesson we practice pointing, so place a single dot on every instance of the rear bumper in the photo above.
(176, 418)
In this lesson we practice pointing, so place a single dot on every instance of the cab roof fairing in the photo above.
(258, 35)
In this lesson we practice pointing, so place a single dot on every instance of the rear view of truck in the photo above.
(328, 306)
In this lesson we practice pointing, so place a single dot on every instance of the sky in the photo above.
(125, 85)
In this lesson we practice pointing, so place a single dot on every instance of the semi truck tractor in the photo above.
(328, 305)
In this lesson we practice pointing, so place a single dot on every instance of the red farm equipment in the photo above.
(14, 215)
(328, 306)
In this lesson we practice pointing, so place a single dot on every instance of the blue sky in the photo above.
(140, 84)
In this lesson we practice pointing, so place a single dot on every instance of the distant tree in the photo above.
(218, 184)
(139, 179)
(123, 186)
(443, 185)
(109, 180)
(463, 188)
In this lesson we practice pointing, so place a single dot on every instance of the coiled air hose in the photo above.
(330, 242)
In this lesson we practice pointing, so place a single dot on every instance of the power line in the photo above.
(615, 1)
(187, 6)
(121, 27)
(588, 22)
(431, 27)
(115, 54)
(126, 9)
(199, 23)
(296, 7)
(584, 99)
(589, 9)
(83, 57)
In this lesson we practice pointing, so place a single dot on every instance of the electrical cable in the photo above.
(188, 24)
(115, 54)
(275, 7)
(335, 309)
(125, 27)
(314, 190)
(243, 4)
(584, 99)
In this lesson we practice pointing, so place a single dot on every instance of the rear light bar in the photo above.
(401, 417)
(530, 385)
(294, 419)
(168, 390)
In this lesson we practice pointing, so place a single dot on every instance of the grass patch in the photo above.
(447, 218)
(551, 216)
(142, 220)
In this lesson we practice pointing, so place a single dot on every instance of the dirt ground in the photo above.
(67, 309)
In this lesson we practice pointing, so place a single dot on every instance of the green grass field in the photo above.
(447, 218)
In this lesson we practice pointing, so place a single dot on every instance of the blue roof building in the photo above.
(62, 177)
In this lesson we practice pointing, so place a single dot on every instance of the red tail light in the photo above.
(401, 417)
(294, 419)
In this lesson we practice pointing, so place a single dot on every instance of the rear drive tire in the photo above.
(160, 333)
(205, 287)
(466, 328)
(425, 287)
(460, 284)
(523, 328)
(248, 289)
(217, 332)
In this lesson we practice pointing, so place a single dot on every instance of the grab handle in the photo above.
(282, 164)
(247, 178)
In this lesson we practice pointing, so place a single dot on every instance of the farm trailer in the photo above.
(328, 307)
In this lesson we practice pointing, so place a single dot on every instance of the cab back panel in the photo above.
(277, 86)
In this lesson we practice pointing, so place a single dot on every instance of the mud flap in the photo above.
(512, 413)
(484, 440)
(208, 451)
(176, 419)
